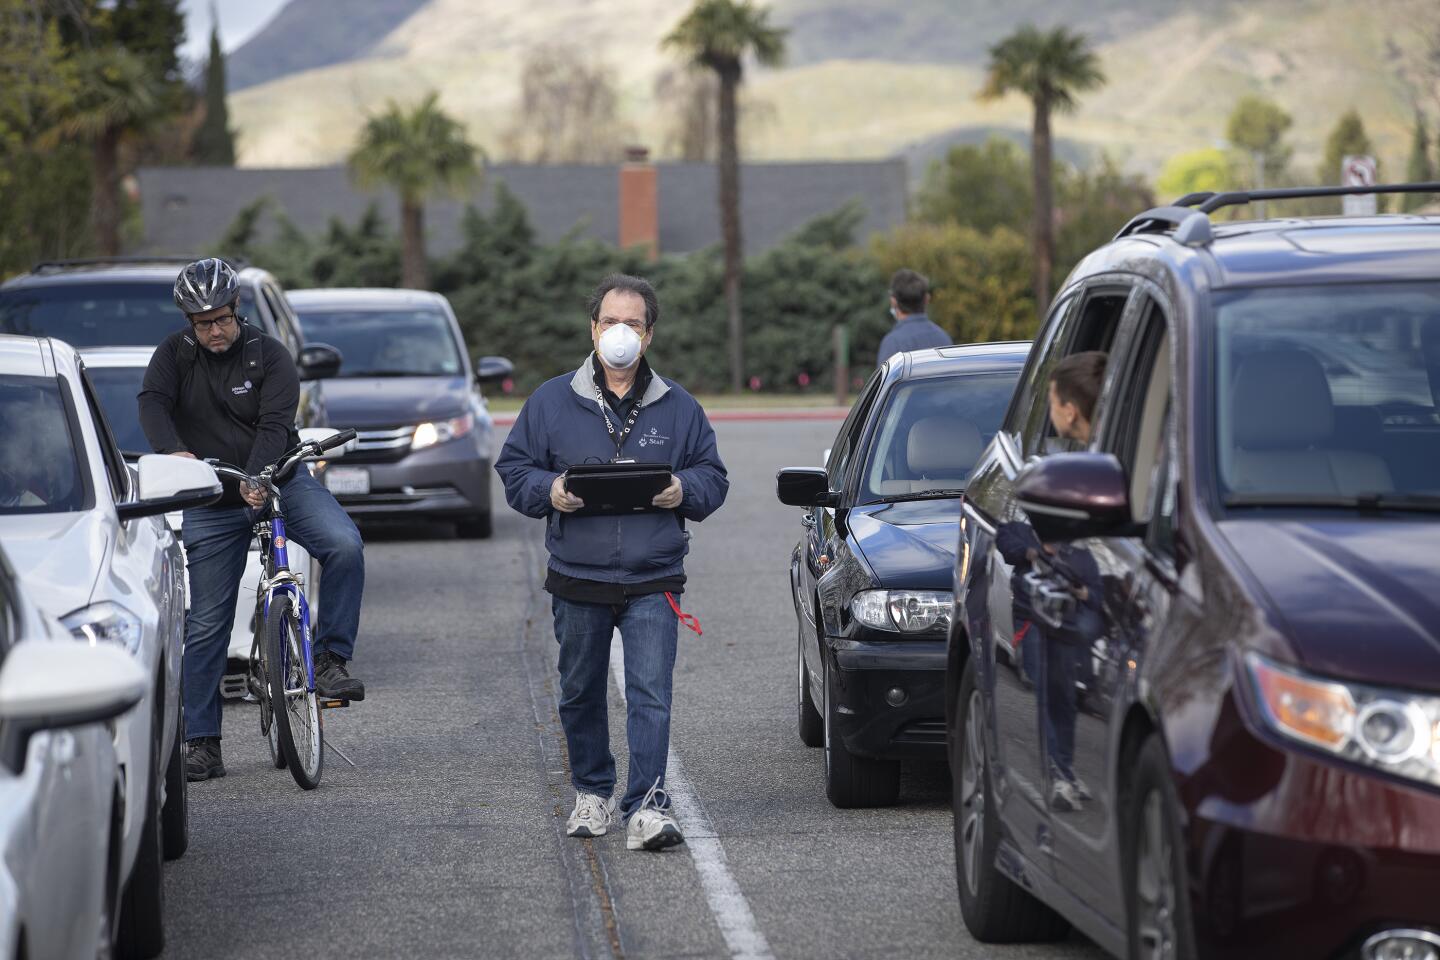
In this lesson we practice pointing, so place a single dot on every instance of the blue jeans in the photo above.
(1059, 698)
(217, 540)
(648, 630)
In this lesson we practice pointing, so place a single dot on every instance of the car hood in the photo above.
(909, 545)
(394, 401)
(58, 556)
(1357, 594)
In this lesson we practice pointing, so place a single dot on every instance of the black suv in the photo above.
(128, 301)
(1236, 751)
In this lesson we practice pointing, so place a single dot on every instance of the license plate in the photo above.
(347, 480)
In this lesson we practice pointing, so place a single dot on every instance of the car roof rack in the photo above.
(1210, 202)
(55, 266)
(1192, 228)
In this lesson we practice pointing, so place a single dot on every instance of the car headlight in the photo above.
(1392, 730)
(439, 431)
(105, 623)
(904, 611)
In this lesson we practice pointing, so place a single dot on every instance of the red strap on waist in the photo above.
(688, 619)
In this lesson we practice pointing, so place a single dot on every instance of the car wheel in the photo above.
(811, 724)
(850, 780)
(175, 817)
(142, 909)
(478, 527)
(994, 908)
(1156, 896)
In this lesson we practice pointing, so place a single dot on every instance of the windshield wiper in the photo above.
(921, 495)
(1429, 503)
(388, 373)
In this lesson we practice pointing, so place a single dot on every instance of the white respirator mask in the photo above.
(619, 347)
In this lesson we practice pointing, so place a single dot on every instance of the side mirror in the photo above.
(321, 434)
(491, 369)
(804, 487)
(318, 361)
(1070, 496)
(54, 684)
(171, 483)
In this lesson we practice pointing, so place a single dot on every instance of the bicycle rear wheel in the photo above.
(296, 713)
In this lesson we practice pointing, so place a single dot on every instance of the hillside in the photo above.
(865, 78)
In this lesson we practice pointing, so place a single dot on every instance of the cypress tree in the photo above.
(1419, 169)
(215, 141)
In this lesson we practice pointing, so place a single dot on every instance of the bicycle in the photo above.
(282, 667)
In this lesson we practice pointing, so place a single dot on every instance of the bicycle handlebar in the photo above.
(287, 461)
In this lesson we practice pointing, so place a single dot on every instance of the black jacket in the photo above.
(213, 411)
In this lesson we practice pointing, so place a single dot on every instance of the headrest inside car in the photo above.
(943, 446)
(1281, 400)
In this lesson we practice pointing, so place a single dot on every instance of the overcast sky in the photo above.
(239, 19)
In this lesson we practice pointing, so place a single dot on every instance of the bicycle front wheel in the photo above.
(296, 712)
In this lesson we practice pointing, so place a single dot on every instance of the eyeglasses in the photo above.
(204, 326)
(605, 323)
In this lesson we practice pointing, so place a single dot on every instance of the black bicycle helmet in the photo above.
(206, 285)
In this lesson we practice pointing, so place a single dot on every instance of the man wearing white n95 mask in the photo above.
(615, 572)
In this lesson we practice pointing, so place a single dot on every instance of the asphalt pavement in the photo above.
(445, 839)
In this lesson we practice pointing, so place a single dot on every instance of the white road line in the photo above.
(727, 904)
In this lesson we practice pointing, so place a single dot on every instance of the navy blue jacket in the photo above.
(915, 332)
(561, 424)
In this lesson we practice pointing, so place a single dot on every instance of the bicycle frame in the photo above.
(278, 580)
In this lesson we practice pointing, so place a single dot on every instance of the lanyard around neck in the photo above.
(618, 438)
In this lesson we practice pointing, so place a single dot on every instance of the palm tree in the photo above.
(719, 35)
(115, 93)
(419, 152)
(1050, 68)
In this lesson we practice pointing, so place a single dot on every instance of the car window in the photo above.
(1056, 328)
(256, 312)
(1092, 326)
(42, 468)
(1140, 406)
(92, 314)
(407, 342)
(1328, 392)
(849, 435)
(280, 310)
(932, 432)
(115, 469)
(118, 390)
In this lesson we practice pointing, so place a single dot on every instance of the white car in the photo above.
(86, 534)
(117, 374)
(62, 802)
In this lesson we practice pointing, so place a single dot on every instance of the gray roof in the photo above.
(188, 208)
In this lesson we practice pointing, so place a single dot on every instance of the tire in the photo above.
(141, 932)
(852, 781)
(175, 815)
(478, 527)
(1157, 899)
(811, 724)
(292, 718)
(994, 908)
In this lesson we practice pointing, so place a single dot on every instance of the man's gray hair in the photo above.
(636, 285)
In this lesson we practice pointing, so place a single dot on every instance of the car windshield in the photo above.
(387, 343)
(118, 389)
(1329, 394)
(931, 434)
(92, 314)
(39, 469)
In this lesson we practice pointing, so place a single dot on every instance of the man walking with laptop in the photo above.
(616, 570)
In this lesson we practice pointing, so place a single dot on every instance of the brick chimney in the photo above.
(639, 202)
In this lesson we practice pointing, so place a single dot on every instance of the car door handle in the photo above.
(807, 520)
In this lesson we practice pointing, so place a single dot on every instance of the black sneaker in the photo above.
(333, 681)
(202, 759)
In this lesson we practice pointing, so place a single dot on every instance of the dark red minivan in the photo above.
(1236, 752)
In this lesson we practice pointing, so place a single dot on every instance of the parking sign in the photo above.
(1358, 171)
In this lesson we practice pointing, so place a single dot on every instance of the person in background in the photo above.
(913, 330)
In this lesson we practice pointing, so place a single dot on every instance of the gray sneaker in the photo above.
(1064, 796)
(591, 817)
(651, 827)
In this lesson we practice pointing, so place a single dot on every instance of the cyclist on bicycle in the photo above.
(220, 389)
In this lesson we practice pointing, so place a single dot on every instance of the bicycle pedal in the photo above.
(333, 704)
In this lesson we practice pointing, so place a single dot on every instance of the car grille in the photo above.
(380, 446)
(922, 731)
